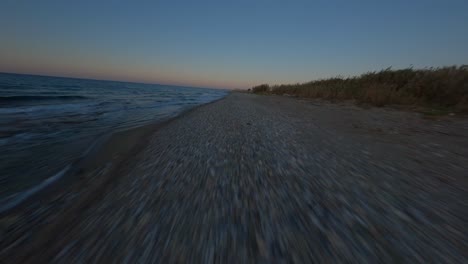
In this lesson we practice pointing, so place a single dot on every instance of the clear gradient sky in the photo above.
(228, 44)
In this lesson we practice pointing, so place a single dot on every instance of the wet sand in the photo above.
(260, 179)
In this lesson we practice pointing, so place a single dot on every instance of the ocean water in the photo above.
(46, 123)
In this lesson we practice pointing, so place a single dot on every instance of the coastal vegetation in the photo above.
(439, 88)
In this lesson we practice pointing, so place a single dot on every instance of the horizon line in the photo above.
(108, 80)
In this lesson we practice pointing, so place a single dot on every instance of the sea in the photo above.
(47, 123)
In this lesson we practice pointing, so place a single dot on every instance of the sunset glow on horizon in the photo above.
(228, 45)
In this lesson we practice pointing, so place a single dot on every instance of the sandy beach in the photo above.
(259, 179)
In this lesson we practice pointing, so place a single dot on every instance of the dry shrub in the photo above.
(263, 88)
(435, 87)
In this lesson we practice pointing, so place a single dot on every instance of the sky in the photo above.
(228, 44)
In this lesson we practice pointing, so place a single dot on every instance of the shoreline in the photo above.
(83, 162)
(84, 180)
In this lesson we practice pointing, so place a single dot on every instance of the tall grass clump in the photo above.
(263, 88)
(445, 87)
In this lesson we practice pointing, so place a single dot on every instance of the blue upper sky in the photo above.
(228, 43)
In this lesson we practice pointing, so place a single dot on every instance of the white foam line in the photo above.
(22, 196)
(18, 199)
